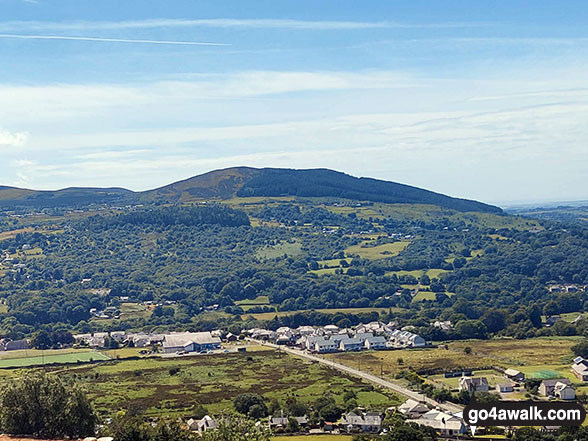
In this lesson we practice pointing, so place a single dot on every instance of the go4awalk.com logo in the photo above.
(523, 413)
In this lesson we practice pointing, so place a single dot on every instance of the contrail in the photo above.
(110, 40)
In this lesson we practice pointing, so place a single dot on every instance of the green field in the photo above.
(323, 271)
(530, 352)
(492, 376)
(128, 311)
(259, 300)
(417, 274)
(333, 263)
(271, 315)
(427, 212)
(279, 250)
(214, 381)
(365, 251)
(37, 358)
(133, 310)
(247, 304)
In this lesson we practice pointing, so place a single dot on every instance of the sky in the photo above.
(481, 100)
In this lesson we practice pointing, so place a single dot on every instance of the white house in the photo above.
(474, 384)
(325, 345)
(348, 344)
(375, 343)
(412, 409)
(444, 423)
(205, 424)
(366, 422)
(559, 388)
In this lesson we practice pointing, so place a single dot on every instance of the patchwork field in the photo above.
(214, 381)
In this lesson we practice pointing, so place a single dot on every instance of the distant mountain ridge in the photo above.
(246, 182)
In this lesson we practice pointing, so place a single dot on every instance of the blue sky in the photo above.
(485, 100)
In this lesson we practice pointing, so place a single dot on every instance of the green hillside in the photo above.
(247, 182)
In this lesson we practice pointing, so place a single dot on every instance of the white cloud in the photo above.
(55, 103)
(8, 139)
(305, 25)
(110, 40)
(468, 138)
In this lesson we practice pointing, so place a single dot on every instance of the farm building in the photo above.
(514, 375)
(190, 342)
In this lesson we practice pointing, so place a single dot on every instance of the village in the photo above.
(319, 342)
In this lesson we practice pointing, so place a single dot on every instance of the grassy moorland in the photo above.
(530, 352)
(152, 386)
(389, 363)
(537, 357)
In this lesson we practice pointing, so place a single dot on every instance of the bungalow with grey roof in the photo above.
(370, 422)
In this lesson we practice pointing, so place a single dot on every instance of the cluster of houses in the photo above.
(556, 388)
(445, 423)
(351, 422)
(330, 338)
(173, 342)
(444, 325)
(565, 287)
